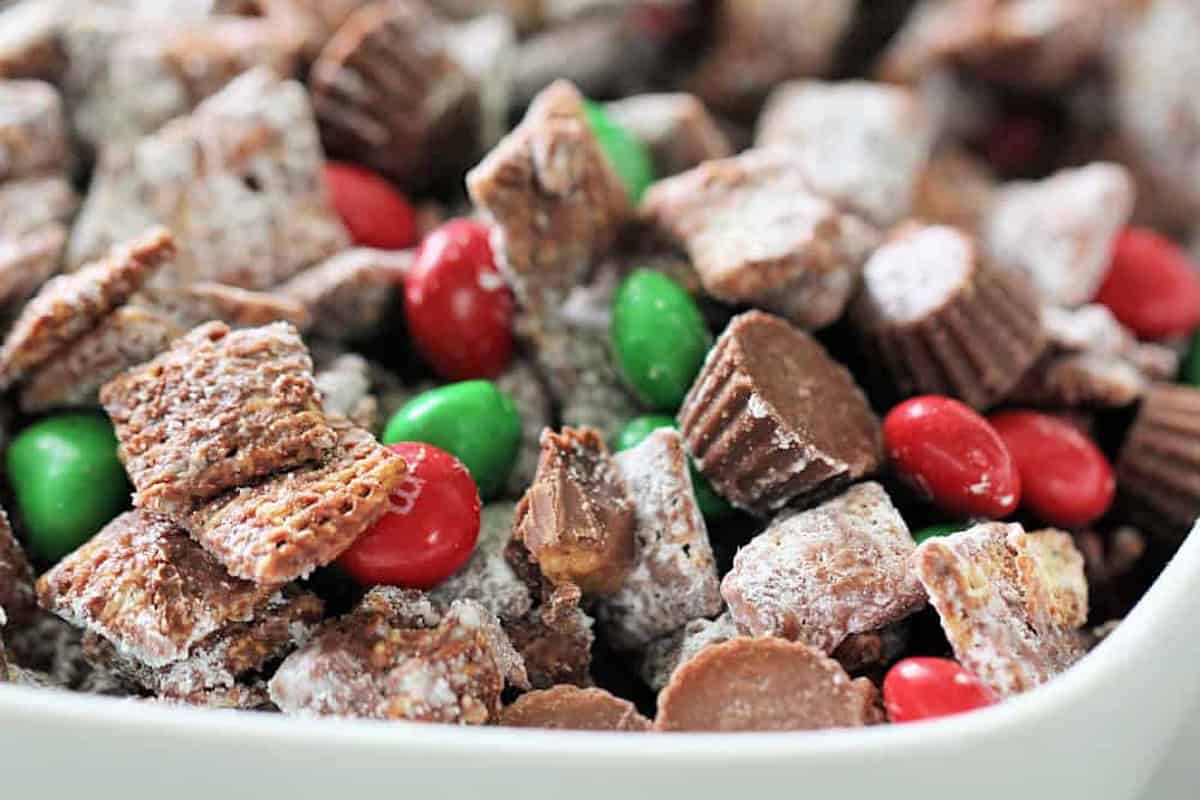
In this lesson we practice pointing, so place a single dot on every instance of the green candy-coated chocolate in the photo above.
(473, 421)
(67, 481)
(1190, 374)
(712, 505)
(935, 531)
(629, 157)
(659, 338)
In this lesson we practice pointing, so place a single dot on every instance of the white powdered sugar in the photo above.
(918, 272)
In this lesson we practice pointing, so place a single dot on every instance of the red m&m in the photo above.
(952, 455)
(1065, 479)
(926, 688)
(374, 212)
(458, 308)
(1152, 287)
(431, 531)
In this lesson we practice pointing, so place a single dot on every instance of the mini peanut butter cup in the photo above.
(1158, 471)
(941, 322)
(772, 418)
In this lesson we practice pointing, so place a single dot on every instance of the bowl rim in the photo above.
(1168, 596)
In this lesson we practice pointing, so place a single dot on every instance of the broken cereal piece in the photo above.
(860, 144)
(69, 306)
(674, 576)
(570, 708)
(677, 129)
(216, 411)
(554, 201)
(293, 522)
(772, 418)
(151, 591)
(349, 295)
(376, 664)
(758, 233)
(1009, 615)
(764, 685)
(820, 575)
(131, 335)
(1060, 230)
(576, 518)
(942, 322)
(202, 302)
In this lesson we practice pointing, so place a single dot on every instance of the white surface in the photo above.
(1179, 775)
(1098, 732)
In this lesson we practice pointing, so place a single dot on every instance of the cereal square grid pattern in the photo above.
(215, 412)
(288, 525)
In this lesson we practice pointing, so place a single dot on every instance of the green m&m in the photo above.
(659, 338)
(936, 531)
(712, 505)
(473, 421)
(629, 157)
(67, 481)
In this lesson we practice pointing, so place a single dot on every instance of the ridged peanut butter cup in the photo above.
(1158, 471)
(772, 418)
(941, 322)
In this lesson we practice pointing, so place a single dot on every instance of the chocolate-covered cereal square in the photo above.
(33, 133)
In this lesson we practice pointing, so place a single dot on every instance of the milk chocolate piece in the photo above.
(1029, 43)
(759, 233)
(820, 575)
(860, 144)
(151, 591)
(674, 575)
(379, 663)
(216, 411)
(577, 519)
(762, 42)
(1009, 602)
(1060, 230)
(17, 598)
(386, 91)
(293, 522)
(33, 136)
(764, 685)
(663, 656)
(240, 182)
(131, 335)
(773, 419)
(553, 199)
(201, 302)
(69, 306)
(943, 323)
(569, 708)
(348, 296)
(1158, 470)
(677, 129)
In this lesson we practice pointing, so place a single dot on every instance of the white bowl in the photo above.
(1097, 732)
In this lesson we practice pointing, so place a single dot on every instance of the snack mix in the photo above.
(612, 365)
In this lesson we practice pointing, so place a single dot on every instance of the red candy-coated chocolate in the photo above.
(1152, 287)
(953, 455)
(925, 688)
(431, 531)
(1065, 479)
(459, 309)
(371, 209)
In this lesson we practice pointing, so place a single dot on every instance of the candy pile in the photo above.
(790, 364)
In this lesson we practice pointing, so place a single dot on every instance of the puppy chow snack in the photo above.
(17, 599)
(760, 233)
(1009, 601)
(773, 419)
(30, 46)
(201, 302)
(33, 136)
(488, 578)
(818, 576)
(676, 127)
(349, 295)
(663, 656)
(570, 708)
(216, 411)
(942, 321)
(345, 387)
(522, 383)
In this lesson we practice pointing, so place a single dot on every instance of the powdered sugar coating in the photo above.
(918, 272)
(817, 576)
(202, 302)
(349, 295)
(674, 575)
(293, 522)
(663, 656)
(488, 578)
(676, 127)
(861, 144)
(1060, 231)
(1051, 570)
(1002, 610)
(70, 305)
(370, 664)
(125, 338)
(33, 134)
(345, 387)
(522, 383)
(216, 411)
(147, 588)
